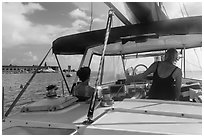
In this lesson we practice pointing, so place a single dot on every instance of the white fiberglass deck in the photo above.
(150, 117)
(131, 116)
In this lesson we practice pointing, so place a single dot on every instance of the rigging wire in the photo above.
(164, 9)
(195, 65)
(185, 10)
(156, 11)
(181, 10)
(198, 59)
(194, 48)
(91, 21)
(161, 5)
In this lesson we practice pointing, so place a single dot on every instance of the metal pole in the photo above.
(122, 57)
(181, 60)
(91, 16)
(184, 63)
(62, 88)
(3, 116)
(76, 78)
(25, 87)
(92, 104)
(62, 74)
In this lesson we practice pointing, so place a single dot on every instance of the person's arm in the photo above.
(178, 79)
(143, 75)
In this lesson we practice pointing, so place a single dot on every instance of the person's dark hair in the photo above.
(84, 73)
(171, 55)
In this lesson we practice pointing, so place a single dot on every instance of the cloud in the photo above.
(81, 14)
(79, 24)
(50, 60)
(13, 60)
(31, 57)
(17, 30)
(98, 20)
(77, 13)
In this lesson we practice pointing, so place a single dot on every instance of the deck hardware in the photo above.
(88, 121)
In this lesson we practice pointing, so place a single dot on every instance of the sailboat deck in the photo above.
(130, 116)
(149, 117)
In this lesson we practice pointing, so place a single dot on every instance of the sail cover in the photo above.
(177, 33)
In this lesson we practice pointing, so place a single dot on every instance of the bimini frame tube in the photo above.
(62, 74)
(93, 98)
(76, 78)
(3, 104)
(184, 62)
(26, 85)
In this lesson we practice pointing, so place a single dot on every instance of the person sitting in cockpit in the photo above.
(82, 90)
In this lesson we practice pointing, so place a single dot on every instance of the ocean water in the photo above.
(11, 84)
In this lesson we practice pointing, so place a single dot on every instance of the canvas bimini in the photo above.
(129, 112)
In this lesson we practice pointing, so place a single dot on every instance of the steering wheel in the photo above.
(139, 87)
(135, 68)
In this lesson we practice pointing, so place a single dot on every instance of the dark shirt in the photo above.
(83, 91)
(162, 88)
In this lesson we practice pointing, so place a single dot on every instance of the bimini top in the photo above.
(153, 36)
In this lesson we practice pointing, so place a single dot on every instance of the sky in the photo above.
(29, 28)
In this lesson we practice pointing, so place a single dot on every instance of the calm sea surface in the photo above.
(37, 88)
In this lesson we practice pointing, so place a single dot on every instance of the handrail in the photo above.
(26, 85)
